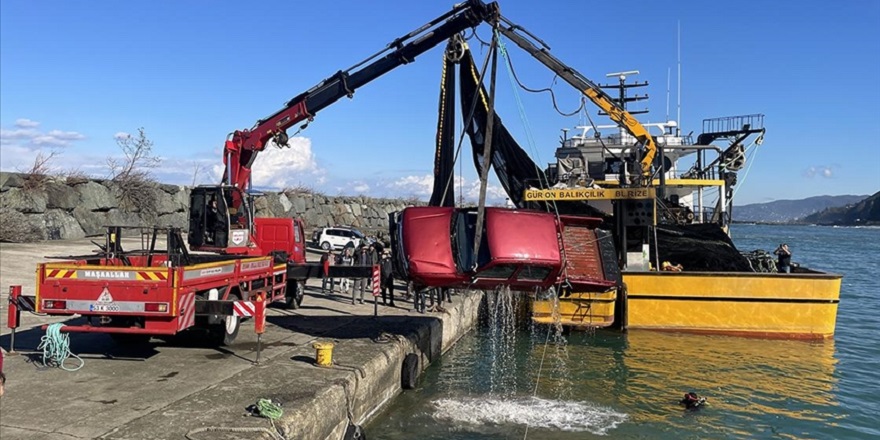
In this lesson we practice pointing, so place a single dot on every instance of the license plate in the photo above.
(104, 308)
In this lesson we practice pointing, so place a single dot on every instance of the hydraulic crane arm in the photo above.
(589, 89)
(242, 146)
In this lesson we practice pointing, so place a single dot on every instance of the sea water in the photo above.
(498, 383)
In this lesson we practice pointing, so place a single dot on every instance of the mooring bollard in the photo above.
(323, 353)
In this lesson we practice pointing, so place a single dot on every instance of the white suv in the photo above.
(338, 237)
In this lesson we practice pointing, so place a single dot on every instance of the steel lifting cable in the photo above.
(469, 119)
(56, 348)
(522, 111)
(754, 147)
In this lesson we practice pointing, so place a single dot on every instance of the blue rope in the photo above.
(56, 348)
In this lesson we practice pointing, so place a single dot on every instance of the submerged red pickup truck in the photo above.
(523, 249)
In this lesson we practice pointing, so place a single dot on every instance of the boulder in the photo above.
(355, 209)
(170, 189)
(96, 197)
(25, 201)
(285, 202)
(58, 224)
(61, 196)
(299, 204)
(181, 200)
(94, 222)
(176, 219)
(10, 180)
(19, 228)
(165, 203)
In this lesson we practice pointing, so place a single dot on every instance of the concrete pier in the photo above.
(167, 389)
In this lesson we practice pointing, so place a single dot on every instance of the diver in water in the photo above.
(692, 401)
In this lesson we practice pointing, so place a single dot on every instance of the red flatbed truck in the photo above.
(135, 294)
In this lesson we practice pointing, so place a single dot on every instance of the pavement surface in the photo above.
(167, 388)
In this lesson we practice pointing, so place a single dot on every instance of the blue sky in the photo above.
(75, 74)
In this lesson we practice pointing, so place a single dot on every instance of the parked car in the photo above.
(433, 247)
(338, 237)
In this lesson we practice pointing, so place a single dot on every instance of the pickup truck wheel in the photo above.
(325, 245)
(224, 334)
(293, 297)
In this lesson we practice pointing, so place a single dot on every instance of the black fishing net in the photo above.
(699, 247)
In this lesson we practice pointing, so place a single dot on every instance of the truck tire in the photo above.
(409, 374)
(224, 334)
(293, 295)
(325, 245)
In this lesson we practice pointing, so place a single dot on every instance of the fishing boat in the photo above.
(682, 272)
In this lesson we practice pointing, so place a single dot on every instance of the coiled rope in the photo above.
(56, 348)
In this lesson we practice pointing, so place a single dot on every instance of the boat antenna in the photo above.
(668, 76)
(678, 121)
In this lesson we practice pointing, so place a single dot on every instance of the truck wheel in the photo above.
(325, 245)
(293, 296)
(225, 333)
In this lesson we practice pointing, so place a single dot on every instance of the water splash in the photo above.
(535, 412)
(502, 305)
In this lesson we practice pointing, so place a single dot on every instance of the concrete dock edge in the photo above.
(372, 383)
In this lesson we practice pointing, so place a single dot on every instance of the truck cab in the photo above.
(215, 225)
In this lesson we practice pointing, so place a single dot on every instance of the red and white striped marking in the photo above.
(244, 308)
(27, 303)
(376, 280)
(186, 306)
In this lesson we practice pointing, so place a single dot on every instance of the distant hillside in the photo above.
(785, 211)
(864, 212)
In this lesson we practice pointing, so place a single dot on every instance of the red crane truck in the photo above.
(150, 291)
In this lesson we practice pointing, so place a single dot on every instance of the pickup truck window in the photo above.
(533, 273)
(503, 271)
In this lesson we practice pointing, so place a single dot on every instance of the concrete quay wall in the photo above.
(368, 385)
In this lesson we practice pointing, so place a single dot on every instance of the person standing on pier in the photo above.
(387, 280)
(362, 259)
(326, 261)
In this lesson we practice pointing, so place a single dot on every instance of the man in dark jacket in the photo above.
(387, 280)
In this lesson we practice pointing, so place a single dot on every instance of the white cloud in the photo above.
(422, 186)
(279, 168)
(414, 185)
(25, 141)
(820, 171)
(27, 135)
(120, 135)
(361, 188)
(26, 123)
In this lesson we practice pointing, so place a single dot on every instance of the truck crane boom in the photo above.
(589, 89)
(221, 217)
(242, 146)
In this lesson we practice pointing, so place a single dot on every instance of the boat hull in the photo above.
(789, 306)
(765, 305)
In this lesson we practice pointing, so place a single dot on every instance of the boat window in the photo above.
(500, 271)
(533, 273)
